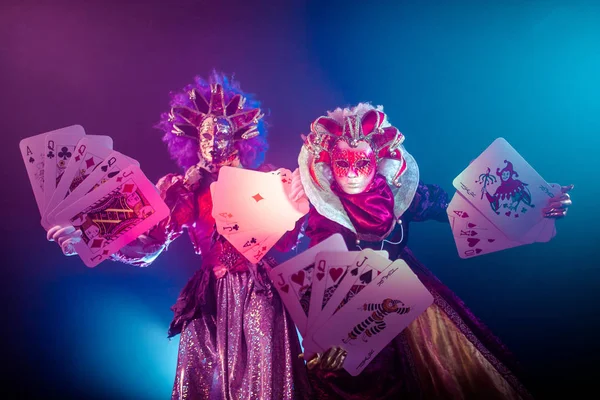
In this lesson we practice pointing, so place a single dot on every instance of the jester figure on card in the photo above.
(364, 185)
(237, 340)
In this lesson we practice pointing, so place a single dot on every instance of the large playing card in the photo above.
(505, 189)
(32, 151)
(473, 233)
(293, 278)
(114, 215)
(59, 148)
(114, 163)
(372, 319)
(364, 269)
(331, 269)
(252, 243)
(549, 231)
(90, 151)
(259, 199)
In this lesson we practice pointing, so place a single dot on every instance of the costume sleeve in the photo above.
(181, 201)
(430, 203)
(320, 228)
(290, 239)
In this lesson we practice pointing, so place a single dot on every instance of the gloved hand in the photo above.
(66, 236)
(331, 360)
(557, 208)
(297, 195)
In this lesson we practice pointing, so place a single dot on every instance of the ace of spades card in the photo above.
(375, 316)
(293, 279)
(505, 189)
(32, 151)
(114, 215)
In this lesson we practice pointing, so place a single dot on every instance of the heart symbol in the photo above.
(491, 240)
(285, 288)
(298, 278)
(335, 273)
(320, 275)
(507, 213)
(472, 242)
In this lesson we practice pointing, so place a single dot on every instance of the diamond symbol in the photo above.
(89, 162)
(119, 179)
(77, 158)
(105, 252)
(97, 243)
(128, 188)
(258, 197)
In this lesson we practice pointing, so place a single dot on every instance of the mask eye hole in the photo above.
(362, 163)
(207, 136)
(342, 164)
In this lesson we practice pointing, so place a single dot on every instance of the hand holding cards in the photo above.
(252, 209)
(499, 203)
(66, 166)
(359, 301)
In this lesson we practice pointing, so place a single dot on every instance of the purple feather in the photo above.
(185, 150)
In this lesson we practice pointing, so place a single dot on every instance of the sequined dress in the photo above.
(446, 353)
(237, 341)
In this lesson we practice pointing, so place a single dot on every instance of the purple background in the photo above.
(452, 79)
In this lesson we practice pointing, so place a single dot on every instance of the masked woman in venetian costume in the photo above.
(237, 341)
(364, 185)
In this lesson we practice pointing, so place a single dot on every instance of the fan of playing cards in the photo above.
(498, 204)
(78, 179)
(359, 301)
(252, 209)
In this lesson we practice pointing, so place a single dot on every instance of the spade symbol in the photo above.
(31, 159)
(367, 277)
(354, 272)
(105, 167)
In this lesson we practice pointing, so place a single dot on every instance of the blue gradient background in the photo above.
(453, 76)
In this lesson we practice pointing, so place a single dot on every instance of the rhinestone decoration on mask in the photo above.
(353, 168)
(353, 125)
(326, 132)
(217, 126)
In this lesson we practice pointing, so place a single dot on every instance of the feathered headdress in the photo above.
(187, 121)
(360, 123)
(222, 97)
(326, 132)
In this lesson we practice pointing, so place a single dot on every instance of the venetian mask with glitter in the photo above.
(216, 124)
(353, 166)
(353, 150)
